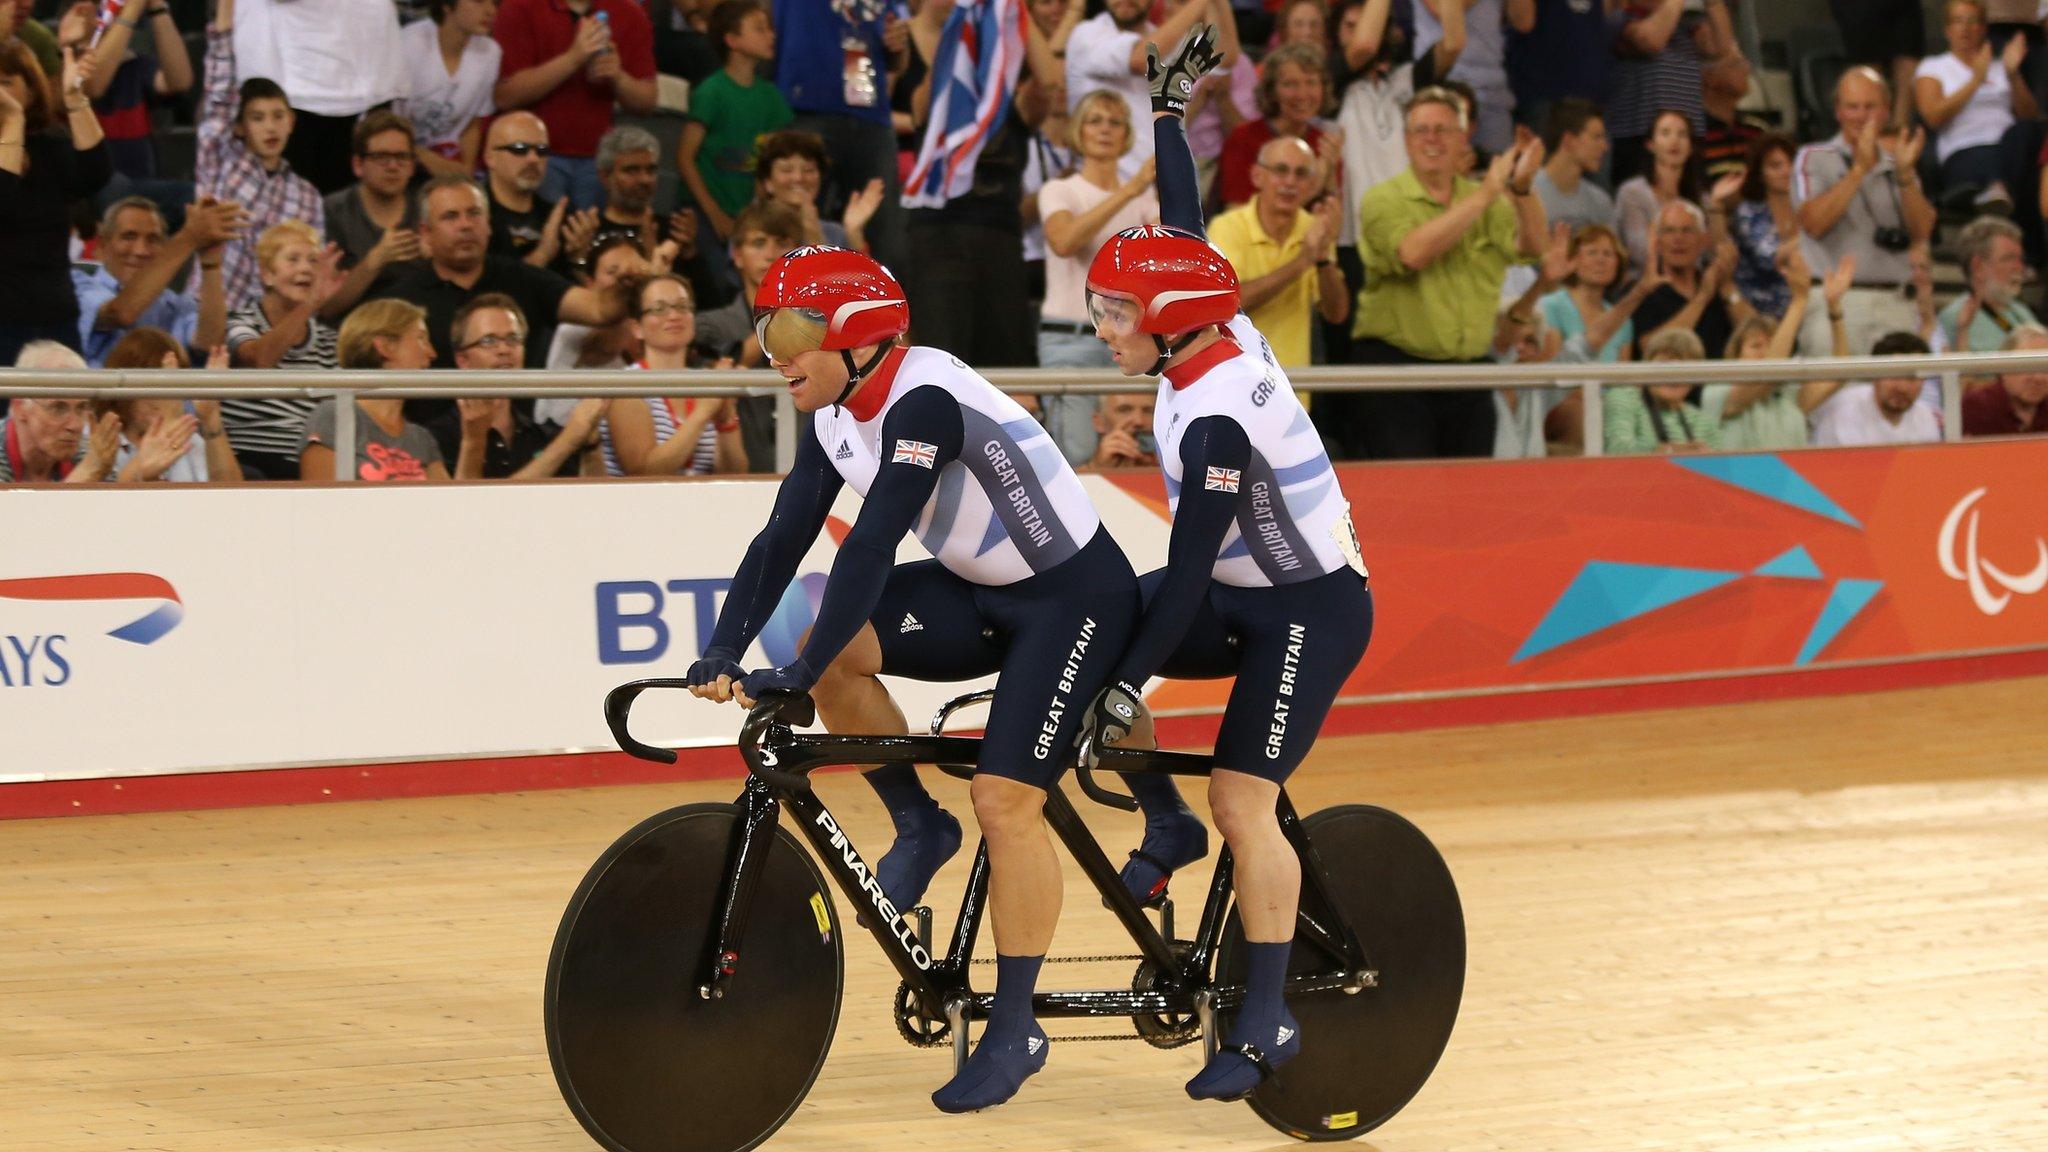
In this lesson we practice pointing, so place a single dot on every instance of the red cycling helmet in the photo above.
(1180, 284)
(827, 298)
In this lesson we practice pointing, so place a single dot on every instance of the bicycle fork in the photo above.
(753, 837)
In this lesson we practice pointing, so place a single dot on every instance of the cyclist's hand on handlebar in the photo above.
(792, 677)
(1118, 709)
(712, 677)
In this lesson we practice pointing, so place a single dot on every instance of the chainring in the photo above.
(1164, 1029)
(914, 1026)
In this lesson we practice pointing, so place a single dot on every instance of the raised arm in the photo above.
(173, 63)
(1447, 50)
(1650, 34)
(217, 99)
(1836, 285)
(1366, 36)
(1173, 82)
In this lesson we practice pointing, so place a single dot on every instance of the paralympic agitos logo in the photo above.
(38, 658)
(1966, 564)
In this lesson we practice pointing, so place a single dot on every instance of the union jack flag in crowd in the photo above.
(974, 74)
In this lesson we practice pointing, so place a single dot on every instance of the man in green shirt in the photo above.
(1995, 264)
(1436, 248)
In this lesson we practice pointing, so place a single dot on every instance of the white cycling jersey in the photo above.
(1007, 508)
(1293, 523)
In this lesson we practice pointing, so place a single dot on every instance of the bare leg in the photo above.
(1268, 889)
(1024, 872)
(1024, 896)
(852, 699)
(1268, 876)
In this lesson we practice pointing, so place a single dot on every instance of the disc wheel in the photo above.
(1364, 1055)
(645, 1063)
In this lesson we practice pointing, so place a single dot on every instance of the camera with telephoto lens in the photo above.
(1892, 239)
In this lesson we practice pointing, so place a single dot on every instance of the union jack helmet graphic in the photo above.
(1179, 283)
(820, 297)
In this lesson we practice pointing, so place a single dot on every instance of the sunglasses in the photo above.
(786, 333)
(522, 149)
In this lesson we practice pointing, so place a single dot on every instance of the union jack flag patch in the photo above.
(1221, 479)
(914, 452)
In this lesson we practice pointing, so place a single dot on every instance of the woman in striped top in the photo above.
(666, 436)
(281, 329)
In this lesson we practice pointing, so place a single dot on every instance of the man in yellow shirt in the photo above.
(1436, 248)
(1285, 255)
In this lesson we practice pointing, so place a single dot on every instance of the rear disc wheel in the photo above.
(1364, 1055)
(646, 1064)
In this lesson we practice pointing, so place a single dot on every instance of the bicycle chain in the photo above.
(941, 1034)
(1083, 959)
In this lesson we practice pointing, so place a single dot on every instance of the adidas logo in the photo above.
(845, 451)
(910, 624)
(1032, 1045)
(1286, 1034)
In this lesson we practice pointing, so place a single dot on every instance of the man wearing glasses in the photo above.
(1285, 255)
(1436, 247)
(500, 439)
(373, 220)
(45, 441)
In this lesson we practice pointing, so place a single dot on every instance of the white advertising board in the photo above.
(173, 630)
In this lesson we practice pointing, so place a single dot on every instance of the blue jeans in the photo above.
(1071, 419)
(574, 177)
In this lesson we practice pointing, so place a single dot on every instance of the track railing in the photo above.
(1587, 379)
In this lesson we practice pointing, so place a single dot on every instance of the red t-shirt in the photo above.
(1241, 153)
(1987, 411)
(579, 111)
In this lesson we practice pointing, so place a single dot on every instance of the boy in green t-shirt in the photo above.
(729, 113)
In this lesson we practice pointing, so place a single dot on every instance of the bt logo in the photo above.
(634, 623)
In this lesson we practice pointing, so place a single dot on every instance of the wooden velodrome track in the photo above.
(1817, 924)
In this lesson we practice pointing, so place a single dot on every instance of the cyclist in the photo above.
(1025, 583)
(1263, 577)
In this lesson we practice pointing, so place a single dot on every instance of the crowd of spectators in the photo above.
(473, 184)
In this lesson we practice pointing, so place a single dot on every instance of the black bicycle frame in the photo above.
(779, 763)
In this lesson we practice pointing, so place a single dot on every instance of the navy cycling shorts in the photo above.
(1291, 648)
(1054, 639)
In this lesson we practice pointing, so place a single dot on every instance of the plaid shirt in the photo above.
(227, 170)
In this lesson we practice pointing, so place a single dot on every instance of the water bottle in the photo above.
(590, 68)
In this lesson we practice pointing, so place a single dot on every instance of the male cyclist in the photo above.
(1263, 578)
(1024, 583)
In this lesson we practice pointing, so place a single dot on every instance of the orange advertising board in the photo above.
(1529, 574)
